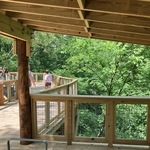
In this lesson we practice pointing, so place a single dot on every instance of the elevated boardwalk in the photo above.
(9, 128)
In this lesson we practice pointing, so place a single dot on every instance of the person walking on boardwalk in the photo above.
(31, 78)
(47, 80)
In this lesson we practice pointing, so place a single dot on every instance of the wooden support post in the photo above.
(110, 127)
(23, 93)
(1, 94)
(47, 113)
(9, 91)
(76, 89)
(148, 124)
(53, 81)
(58, 81)
(69, 122)
(13, 77)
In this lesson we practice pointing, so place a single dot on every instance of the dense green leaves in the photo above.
(109, 67)
(47, 52)
(7, 58)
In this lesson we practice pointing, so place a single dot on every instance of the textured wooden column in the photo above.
(23, 93)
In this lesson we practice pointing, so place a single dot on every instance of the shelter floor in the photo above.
(9, 128)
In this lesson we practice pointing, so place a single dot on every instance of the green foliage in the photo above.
(8, 59)
(94, 127)
(109, 68)
(131, 121)
(47, 52)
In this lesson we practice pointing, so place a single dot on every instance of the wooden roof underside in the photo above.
(114, 20)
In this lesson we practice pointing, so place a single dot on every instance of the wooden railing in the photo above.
(56, 116)
(8, 91)
(8, 87)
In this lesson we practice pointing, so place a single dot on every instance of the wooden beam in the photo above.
(14, 47)
(117, 19)
(42, 18)
(123, 28)
(52, 11)
(122, 7)
(81, 13)
(120, 33)
(120, 39)
(14, 29)
(28, 53)
(59, 3)
(52, 25)
(61, 31)
(81, 4)
(23, 93)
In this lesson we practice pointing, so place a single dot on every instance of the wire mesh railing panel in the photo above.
(57, 117)
(131, 121)
(90, 120)
(53, 110)
(41, 120)
(62, 106)
(50, 118)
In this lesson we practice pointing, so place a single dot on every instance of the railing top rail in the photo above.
(57, 88)
(129, 99)
(8, 81)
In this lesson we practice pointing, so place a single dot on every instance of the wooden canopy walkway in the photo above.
(55, 110)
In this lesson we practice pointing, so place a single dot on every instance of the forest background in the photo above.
(102, 68)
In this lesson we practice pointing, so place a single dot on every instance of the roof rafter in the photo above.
(14, 29)
(122, 20)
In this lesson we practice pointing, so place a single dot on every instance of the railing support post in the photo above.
(148, 124)
(110, 112)
(69, 122)
(1, 94)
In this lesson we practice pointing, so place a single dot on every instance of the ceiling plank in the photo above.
(117, 19)
(52, 25)
(41, 10)
(13, 29)
(124, 7)
(61, 31)
(123, 28)
(120, 34)
(120, 39)
(60, 20)
(55, 3)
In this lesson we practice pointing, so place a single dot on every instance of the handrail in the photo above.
(64, 99)
(71, 101)
(8, 94)
(8, 91)
(29, 140)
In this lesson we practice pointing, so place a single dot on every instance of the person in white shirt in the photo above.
(47, 80)
(31, 78)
